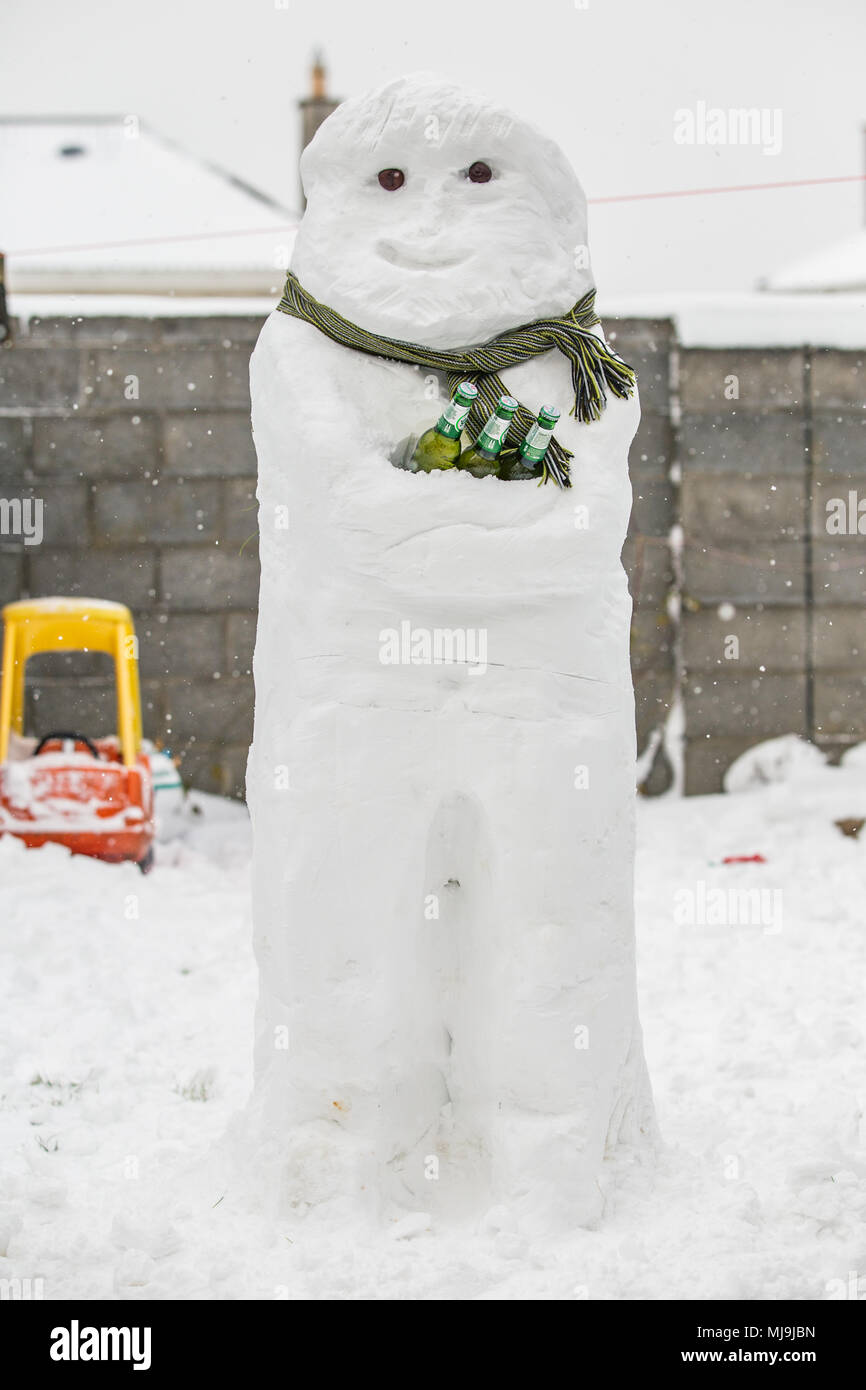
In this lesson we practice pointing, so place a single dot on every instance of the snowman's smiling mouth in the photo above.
(411, 259)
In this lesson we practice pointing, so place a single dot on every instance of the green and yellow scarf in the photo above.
(595, 367)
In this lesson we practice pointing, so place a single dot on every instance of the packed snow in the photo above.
(126, 1037)
(504, 803)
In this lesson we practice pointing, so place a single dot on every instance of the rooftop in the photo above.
(837, 268)
(104, 204)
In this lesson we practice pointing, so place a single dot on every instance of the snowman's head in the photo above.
(436, 217)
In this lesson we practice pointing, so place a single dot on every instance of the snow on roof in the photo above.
(748, 319)
(840, 266)
(104, 204)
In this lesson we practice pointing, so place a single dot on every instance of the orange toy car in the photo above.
(93, 795)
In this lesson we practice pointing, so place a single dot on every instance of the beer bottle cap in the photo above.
(466, 392)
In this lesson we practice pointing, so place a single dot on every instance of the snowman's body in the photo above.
(442, 788)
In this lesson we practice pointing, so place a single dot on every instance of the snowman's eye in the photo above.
(392, 179)
(479, 172)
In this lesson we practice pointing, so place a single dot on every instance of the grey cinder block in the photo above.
(180, 644)
(652, 641)
(652, 449)
(15, 451)
(127, 577)
(111, 446)
(708, 759)
(772, 638)
(649, 567)
(744, 573)
(653, 507)
(210, 444)
(839, 639)
(240, 642)
(839, 443)
(164, 510)
(211, 711)
(210, 578)
(766, 379)
(840, 704)
(839, 569)
(725, 704)
(723, 507)
(743, 443)
(241, 511)
(215, 767)
(11, 576)
(838, 379)
(134, 379)
(38, 378)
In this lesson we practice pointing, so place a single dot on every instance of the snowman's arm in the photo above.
(302, 384)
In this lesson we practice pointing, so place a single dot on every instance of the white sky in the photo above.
(223, 77)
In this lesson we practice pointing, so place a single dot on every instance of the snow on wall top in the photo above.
(700, 320)
(840, 266)
(726, 319)
(153, 217)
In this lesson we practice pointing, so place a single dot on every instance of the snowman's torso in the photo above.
(370, 547)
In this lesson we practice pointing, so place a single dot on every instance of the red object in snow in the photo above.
(744, 859)
(95, 796)
(75, 791)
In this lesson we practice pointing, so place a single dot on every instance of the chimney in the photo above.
(317, 107)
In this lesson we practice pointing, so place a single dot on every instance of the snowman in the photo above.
(442, 775)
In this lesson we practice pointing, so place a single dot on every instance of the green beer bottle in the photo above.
(482, 458)
(439, 447)
(528, 461)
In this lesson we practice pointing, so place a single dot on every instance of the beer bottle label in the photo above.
(453, 418)
(534, 446)
(492, 435)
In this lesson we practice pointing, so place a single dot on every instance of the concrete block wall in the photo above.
(772, 622)
(135, 434)
(743, 501)
(838, 630)
(648, 345)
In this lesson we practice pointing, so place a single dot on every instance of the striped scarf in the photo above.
(595, 368)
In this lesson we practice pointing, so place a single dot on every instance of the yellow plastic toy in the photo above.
(41, 781)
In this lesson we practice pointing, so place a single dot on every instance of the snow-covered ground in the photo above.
(125, 1055)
